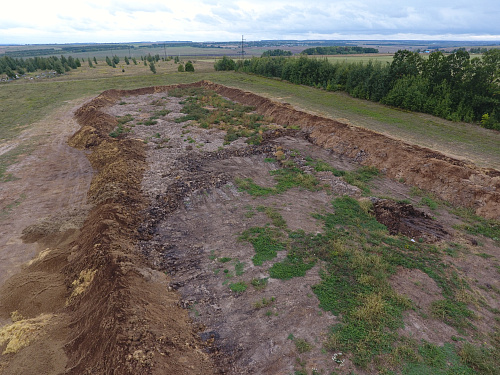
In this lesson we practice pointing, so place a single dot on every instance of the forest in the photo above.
(18, 66)
(454, 86)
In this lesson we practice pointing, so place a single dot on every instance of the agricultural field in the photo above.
(221, 222)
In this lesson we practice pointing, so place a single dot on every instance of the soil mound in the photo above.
(403, 218)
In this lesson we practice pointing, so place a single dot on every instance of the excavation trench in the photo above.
(159, 249)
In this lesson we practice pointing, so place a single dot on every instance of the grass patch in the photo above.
(359, 178)
(285, 178)
(291, 267)
(209, 110)
(302, 345)
(238, 287)
(266, 243)
(239, 268)
(477, 225)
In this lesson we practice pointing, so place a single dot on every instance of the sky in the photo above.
(106, 21)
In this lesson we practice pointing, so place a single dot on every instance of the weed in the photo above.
(429, 202)
(485, 256)
(162, 113)
(302, 345)
(239, 268)
(264, 302)
(124, 119)
(238, 287)
(225, 259)
(276, 219)
(452, 312)
(259, 283)
(150, 122)
(119, 130)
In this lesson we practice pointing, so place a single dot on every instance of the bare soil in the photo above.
(137, 277)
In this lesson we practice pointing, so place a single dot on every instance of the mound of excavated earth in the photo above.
(143, 287)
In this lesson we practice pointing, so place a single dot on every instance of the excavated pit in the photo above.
(166, 214)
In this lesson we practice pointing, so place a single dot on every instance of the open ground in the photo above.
(251, 237)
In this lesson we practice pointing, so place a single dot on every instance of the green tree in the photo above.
(152, 67)
(127, 61)
(108, 61)
(90, 63)
(189, 67)
(225, 64)
(10, 73)
(180, 68)
(95, 60)
(406, 63)
(58, 67)
(116, 59)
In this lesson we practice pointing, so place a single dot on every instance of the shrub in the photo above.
(189, 67)
(225, 64)
(180, 68)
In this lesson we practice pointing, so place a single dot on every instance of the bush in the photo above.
(189, 67)
(225, 64)
(180, 68)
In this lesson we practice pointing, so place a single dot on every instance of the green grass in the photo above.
(302, 345)
(286, 178)
(266, 242)
(358, 257)
(360, 58)
(360, 177)
(238, 287)
(477, 225)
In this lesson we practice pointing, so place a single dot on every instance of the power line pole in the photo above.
(242, 51)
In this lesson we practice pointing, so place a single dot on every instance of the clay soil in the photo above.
(135, 270)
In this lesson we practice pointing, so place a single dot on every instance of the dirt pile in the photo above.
(127, 320)
(403, 218)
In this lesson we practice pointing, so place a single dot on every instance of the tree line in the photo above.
(276, 52)
(455, 86)
(18, 66)
(338, 50)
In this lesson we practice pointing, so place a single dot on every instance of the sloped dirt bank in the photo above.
(454, 180)
(127, 321)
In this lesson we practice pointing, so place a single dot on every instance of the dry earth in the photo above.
(142, 286)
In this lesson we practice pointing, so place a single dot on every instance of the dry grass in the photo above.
(22, 332)
(81, 284)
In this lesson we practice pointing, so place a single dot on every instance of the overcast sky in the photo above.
(68, 21)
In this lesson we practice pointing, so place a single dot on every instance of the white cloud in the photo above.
(53, 21)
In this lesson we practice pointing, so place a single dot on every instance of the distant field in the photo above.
(360, 58)
(26, 101)
(137, 51)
